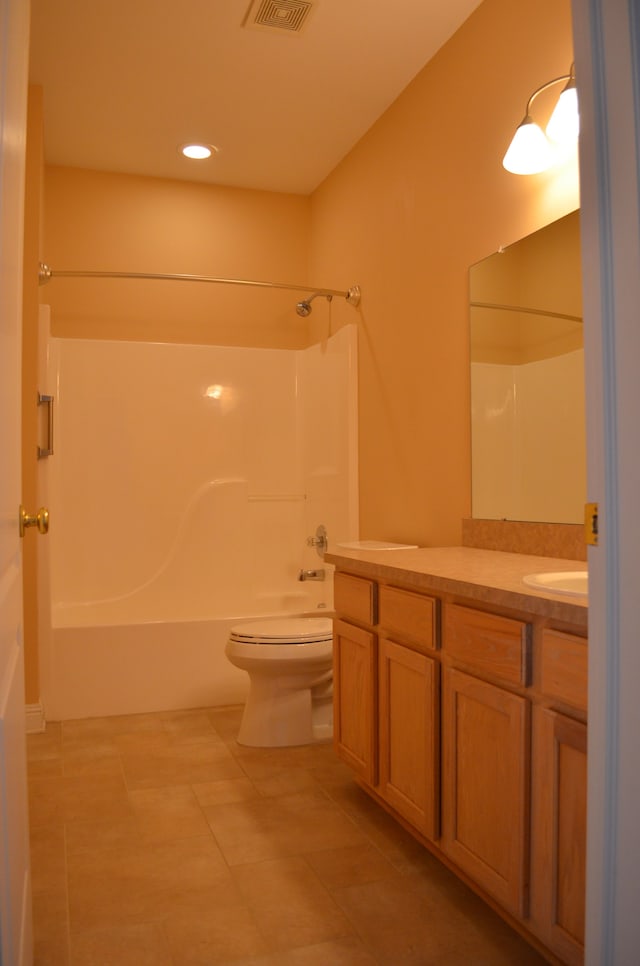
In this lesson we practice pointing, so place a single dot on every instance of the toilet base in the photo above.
(278, 716)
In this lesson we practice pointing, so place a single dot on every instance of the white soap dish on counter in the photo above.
(375, 545)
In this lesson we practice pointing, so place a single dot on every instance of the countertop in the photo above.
(492, 576)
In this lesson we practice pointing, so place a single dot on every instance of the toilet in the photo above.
(290, 666)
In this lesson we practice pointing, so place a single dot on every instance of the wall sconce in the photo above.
(531, 150)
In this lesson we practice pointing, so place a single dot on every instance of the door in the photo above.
(485, 746)
(15, 898)
(354, 696)
(607, 49)
(559, 832)
(409, 713)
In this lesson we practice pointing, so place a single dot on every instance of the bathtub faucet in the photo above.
(311, 574)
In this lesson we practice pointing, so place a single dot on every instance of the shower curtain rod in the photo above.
(527, 311)
(352, 295)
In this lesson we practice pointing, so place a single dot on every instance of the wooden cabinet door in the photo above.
(408, 716)
(354, 698)
(559, 817)
(485, 731)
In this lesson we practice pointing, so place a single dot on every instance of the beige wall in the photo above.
(116, 222)
(421, 198)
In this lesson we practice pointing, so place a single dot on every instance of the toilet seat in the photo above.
(289, 630)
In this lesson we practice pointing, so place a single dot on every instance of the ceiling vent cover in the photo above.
(286, 15)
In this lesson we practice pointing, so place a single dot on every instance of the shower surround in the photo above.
(185, 482)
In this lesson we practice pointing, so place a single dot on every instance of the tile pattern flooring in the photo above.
(157, 840)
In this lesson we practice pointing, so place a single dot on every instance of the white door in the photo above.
(607, 42)
(15, 892)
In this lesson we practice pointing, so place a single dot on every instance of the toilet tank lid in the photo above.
(285, 629)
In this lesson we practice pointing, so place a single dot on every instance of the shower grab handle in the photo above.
(45, 451)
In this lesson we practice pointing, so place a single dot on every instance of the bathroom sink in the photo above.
(575, 583)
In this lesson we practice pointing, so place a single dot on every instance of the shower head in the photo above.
(303, 308)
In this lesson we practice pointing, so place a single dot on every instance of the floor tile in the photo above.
(167, 814)
(188, 725)
(57, 800)
(226, 721)
(268, 828)
(401, 926)
(134, 945)
(222, 792)
(182, 763)
(290, 904)
(45, 767)
(353, 865)
(346, 951)
(51, 952)
(51, 917)
(214, 926)
(48, 859)
(85, 835)
(46, 744)
(285, 782)
(158, 840)
(107, 886)
(100, 728)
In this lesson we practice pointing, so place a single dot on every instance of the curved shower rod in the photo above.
(352, 295)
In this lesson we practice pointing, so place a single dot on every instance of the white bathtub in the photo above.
(101, 664)
(177, 514)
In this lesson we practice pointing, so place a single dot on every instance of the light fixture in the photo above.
(531, 150)
(198, 152)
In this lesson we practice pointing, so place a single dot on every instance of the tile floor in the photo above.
(157, 840)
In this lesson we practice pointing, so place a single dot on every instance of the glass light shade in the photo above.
(529, 151)
(196, 151)
(564, 123)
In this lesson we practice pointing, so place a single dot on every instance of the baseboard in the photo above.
(35, 719)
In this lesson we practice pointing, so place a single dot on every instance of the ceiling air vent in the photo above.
(286, 15)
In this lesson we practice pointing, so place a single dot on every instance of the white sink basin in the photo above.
(574, 583)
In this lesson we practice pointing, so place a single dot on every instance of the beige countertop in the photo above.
(491, 576)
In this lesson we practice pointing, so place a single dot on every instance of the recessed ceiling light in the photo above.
(198, 152)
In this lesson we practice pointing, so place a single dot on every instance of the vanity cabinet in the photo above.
(409, 706)
(408, 734)
(486, 757)
(485, 732)
(559, 798)
(355, 687)
(468, 722)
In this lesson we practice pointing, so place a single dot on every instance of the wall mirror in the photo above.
(527, 379)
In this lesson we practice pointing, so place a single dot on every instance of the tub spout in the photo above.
(311, 574)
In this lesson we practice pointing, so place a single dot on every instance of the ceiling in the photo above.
(126, 82)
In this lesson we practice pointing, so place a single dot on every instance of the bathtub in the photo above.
(177, 514)
(104, 663)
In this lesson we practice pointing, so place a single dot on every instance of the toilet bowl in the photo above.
(290, 666)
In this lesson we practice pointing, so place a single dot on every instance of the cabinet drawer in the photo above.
(355, 597)
(411, 616)
(488, 643)
(564, 659)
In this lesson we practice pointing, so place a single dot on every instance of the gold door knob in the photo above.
(40, 520)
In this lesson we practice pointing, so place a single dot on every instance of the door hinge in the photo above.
(591, 524)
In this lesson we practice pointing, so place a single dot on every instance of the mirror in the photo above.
(527, 379)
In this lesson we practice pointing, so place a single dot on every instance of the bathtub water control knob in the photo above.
(39, 520)
(320, 541)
